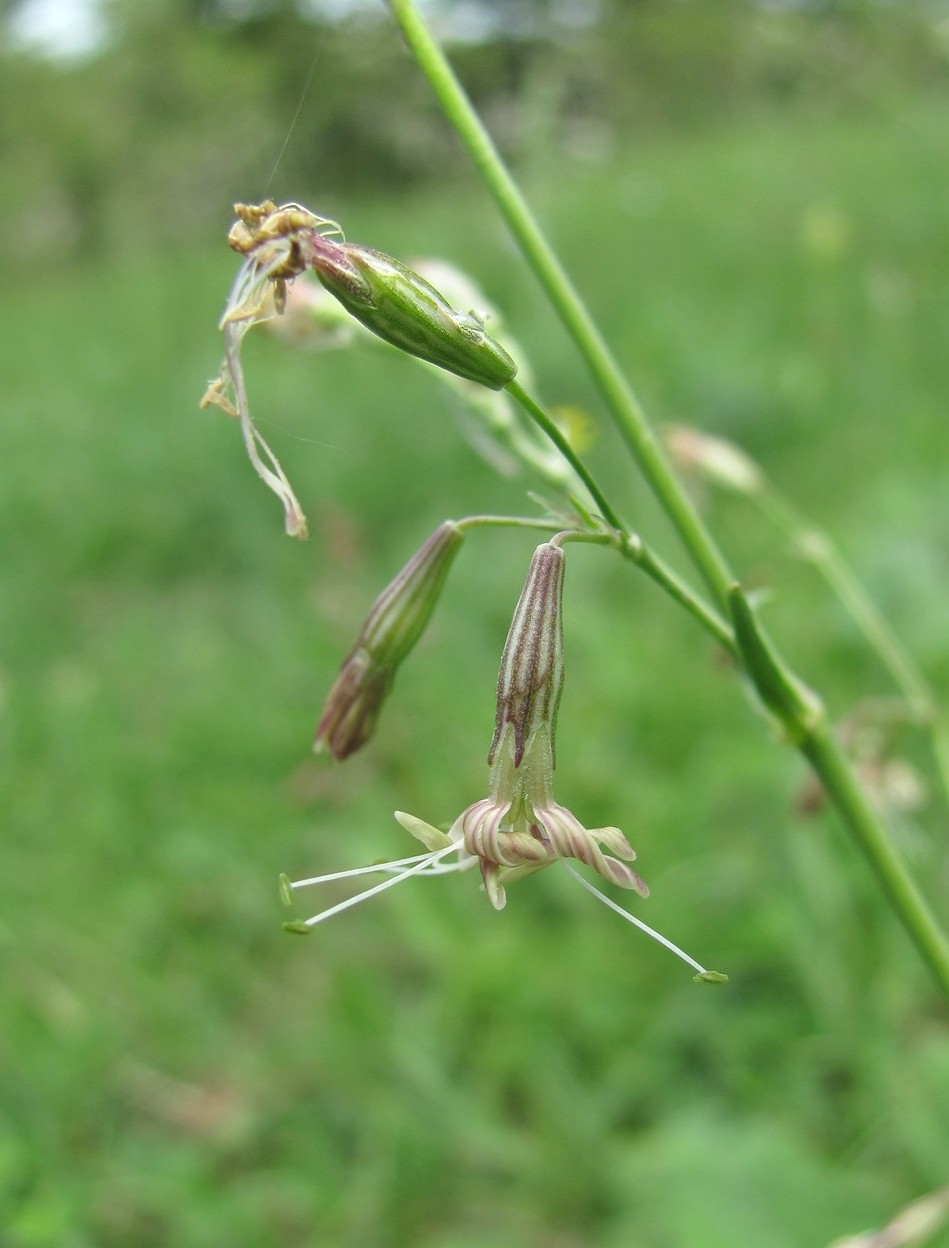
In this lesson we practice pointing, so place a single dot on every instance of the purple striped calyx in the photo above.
(530, 680)
(395, 622)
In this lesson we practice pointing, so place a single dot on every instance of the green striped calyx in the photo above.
(405, 310)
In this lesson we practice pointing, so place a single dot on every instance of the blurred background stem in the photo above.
(816, 546)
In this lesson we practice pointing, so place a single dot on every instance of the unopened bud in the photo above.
(401, 307)
(395, 622)
(530, 681)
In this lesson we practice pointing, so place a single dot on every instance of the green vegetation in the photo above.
(423, 1071)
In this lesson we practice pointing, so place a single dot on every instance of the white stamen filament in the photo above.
(449, 868)
(631, 918)
(396, 865)
(421, 866)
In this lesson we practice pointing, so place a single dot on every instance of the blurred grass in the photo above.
(423, 1071)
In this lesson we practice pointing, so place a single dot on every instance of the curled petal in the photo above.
(488, 838)
(615, 842)
(568, 838)
(490, 874)
(480, 826)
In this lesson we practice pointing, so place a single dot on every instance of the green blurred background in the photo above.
(755, 201)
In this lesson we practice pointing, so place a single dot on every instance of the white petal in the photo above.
(430, 837)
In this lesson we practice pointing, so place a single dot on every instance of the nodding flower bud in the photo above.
(395, 622)
(406, 311)
(530, 680)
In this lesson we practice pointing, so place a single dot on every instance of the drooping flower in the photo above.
(489, 419)
(265, 236)
(387, 297)
(519, 827)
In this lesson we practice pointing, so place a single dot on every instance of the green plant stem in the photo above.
(819, 550)
(632, 547)
(823, 752)
(816, 547)
(544, 422)
(629, 544)
(816, 742)
(509, 522)
(622, 403)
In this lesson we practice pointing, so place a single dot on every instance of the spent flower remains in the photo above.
(519, 827)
